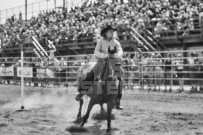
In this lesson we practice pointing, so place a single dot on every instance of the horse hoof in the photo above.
(79, 117)
(108, 130)
(78, 120)
(82, 125)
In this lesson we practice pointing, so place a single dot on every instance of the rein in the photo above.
(104, 68)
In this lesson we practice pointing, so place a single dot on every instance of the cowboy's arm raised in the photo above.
(97, 51)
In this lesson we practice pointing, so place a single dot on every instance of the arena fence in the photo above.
(160, 70)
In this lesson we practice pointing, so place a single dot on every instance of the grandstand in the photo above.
(75, 31)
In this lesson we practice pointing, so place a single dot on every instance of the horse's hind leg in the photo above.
(110, 106)
(80, 109)
(91, 104)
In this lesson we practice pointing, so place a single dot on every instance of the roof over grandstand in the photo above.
(15, 3)
(7, 4)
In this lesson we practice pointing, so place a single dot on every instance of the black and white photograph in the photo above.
(101, 67)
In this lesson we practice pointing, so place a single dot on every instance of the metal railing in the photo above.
(59, 70)
(174, 32)
(148, 70)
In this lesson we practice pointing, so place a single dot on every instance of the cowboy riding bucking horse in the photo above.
(107, 46)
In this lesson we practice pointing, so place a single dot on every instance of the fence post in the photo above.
(67, 66)
(12, 11)
(32, 9)
(202, 27)
(141, 68)
(77, 40)
(47, 5)
(6, 14)
(19, 11)
(176, 31)
(25, 10)
(0, 17)
(22, 77)
(39, 6)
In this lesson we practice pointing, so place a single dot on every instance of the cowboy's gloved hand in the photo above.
(115, 56)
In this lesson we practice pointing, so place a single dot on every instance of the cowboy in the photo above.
(105, 46)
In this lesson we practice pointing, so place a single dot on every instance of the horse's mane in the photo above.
(107, 70)
(83, 71)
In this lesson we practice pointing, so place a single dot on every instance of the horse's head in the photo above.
(109, 69)
(109, 78)
(111, 65)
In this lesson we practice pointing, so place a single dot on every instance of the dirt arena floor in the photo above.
(52, 110)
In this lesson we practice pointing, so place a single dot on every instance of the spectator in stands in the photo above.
(136, 58)
(3, 65)
(44, 63)
(125, 67)
(201, 16)
(200, 77)
(180, 75)
(63, 63)
(56, 64)
(2, 70)
(151, 69)
(18, 63)
(158, 73)
(160, 28)
(188, 26)
(38, 62)
(192, 61)
(81, 23)
(145, 69)
(131, 69)
(168, 72)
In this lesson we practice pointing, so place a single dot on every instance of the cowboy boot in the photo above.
(78, 96)
(118, 106)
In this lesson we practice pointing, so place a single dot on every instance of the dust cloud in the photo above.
(56, 103)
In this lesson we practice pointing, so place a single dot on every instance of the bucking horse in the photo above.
(103, 89)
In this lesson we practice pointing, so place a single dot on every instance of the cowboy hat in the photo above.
(106, 29)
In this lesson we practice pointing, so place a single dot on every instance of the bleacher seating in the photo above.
(82, 25)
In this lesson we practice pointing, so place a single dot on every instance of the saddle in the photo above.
(96, 67)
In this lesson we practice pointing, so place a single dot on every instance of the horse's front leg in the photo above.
(110, 106)
(80, 108)
(91, 104)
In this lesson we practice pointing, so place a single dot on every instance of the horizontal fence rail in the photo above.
(148, 70)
